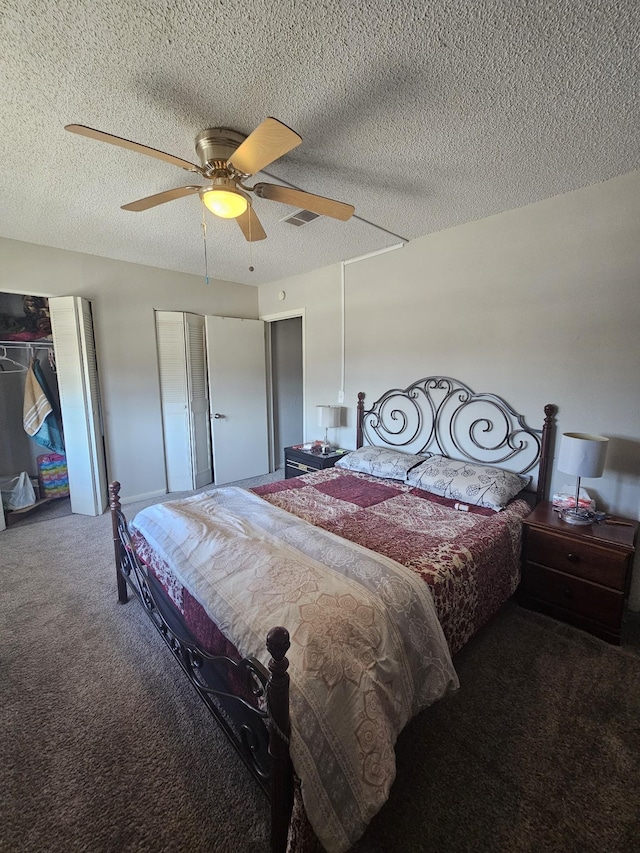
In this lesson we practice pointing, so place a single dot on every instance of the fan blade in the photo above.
(250, 226)
(269, 140)
(307, 201)
(132, 146)
(159, 198)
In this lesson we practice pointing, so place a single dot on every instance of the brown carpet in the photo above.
(105, 748)
(538, 751)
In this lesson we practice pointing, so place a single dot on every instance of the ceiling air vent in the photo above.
(301, 217)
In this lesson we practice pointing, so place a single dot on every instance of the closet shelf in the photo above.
(41, 343)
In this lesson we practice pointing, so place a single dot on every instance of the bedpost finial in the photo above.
(550, 410)
(114, 495)
(278, 643)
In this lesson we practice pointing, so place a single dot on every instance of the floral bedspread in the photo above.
(367, 651)
(470, 560)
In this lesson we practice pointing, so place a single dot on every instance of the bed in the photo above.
(365, 578)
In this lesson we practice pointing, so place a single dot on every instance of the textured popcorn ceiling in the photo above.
(424, 115)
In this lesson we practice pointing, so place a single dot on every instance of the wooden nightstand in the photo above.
(578, 574)
(297, 462)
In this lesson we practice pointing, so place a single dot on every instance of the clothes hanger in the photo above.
(22, 368)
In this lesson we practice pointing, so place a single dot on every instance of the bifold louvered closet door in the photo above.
(77, 373)
(184, 399)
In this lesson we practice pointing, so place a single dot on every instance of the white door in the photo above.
(184, 399)
(238, 398)
(77, 373)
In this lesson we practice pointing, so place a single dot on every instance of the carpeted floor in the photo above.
(105, 748)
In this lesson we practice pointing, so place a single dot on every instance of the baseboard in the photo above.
(131, 499)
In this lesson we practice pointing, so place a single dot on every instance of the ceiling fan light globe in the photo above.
(226, 202)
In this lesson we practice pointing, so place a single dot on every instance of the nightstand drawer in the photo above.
(580, 558)
(298, 468)
(568, 593)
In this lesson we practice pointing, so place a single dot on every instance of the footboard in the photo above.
(249, 702)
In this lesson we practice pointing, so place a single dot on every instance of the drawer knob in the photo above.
(573, 558)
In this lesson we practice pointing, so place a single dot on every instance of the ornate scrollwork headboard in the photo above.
(443, 415)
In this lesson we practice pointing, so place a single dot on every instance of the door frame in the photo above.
(269, 319)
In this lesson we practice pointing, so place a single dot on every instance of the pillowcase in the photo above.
(469, 482)
(380, 462)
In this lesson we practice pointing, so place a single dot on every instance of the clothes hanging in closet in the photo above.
(39, 418)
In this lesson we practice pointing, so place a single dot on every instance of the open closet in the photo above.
(70, 340)
(32, 457)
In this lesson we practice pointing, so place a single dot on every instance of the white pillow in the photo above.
(469, 482)
(380, 462)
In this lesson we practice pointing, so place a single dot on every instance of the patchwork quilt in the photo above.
(470, 559)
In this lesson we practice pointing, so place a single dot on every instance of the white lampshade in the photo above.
(328, 416)
(582, 455)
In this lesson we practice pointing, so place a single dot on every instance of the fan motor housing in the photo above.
(215, 145)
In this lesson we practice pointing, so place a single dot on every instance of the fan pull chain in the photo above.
(204, 237)
(250, 242)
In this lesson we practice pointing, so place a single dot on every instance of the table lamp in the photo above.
(583, 456)
(329, 418)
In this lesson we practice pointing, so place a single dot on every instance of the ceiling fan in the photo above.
(227, 159)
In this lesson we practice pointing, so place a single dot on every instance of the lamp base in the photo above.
(578, 516)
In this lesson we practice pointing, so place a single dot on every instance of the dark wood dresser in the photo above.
(578, 574)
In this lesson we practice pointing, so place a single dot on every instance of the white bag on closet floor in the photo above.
(17, 492)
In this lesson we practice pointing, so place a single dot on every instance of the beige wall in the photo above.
(539, 305)
(123, 298)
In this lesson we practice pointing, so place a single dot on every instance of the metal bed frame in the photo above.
(431, 414)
